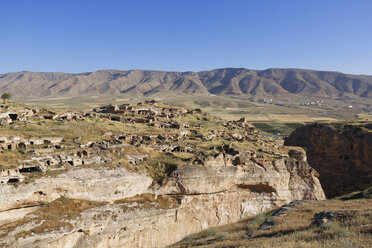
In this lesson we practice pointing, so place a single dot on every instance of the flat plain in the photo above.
(281, 115)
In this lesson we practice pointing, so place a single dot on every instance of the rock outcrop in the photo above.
(201, 197)
(99, 184)
(341, 153)
(139, 176)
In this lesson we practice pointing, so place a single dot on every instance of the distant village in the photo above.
(312, 103)
(263, 100)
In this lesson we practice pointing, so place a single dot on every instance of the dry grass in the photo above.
(365, 194)
(10, 159)
(160, 165)
(294, 229)
(52, 216)
(87, 129)
(148, 201)
(31, 177)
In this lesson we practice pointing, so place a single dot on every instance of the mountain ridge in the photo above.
(224, 81)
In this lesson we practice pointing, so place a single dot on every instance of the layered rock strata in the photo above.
(191, 199)
(341, 153)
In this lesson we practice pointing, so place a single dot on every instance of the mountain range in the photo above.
(226, 81)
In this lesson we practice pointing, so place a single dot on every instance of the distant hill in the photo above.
(227, 81)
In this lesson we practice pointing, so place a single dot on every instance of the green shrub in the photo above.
(331, 230)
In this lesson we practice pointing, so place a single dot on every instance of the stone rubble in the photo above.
(214, 187)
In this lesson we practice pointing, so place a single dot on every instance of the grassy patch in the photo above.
(148, 201)
(10, 159)
(366, 194)
(51, 217)
(331, 230)
(276, 127)
(160, 165)
(294, 229)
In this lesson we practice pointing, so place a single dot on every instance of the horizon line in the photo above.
(186, 71)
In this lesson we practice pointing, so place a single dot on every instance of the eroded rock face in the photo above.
(341, 154)
(206, 195)
(285, 179)
(99, 184)
(204, 172)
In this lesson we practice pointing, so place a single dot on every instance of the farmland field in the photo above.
(282, 116)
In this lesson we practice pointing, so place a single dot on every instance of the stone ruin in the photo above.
(15, 142)
(149, 113)
(10, 176)
(10, 114)
(48, 155)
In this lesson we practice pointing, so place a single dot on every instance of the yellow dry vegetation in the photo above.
(294, 229)
(52, 216)
(148, 201)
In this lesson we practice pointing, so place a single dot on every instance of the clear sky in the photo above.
(185, 35)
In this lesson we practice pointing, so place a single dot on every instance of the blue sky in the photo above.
(185, 35)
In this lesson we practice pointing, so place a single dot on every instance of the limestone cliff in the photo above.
(200, 197)
(138, 176)
(341, 153)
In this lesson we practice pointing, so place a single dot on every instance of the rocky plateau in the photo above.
(143, 175)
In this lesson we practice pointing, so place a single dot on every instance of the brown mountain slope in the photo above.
(227, 81)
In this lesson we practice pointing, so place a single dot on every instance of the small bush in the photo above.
(256, 221)
(308, 210)
(331, 230)
(203, 234)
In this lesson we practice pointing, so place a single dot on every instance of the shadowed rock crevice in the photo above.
(341, 153)
(258, 188)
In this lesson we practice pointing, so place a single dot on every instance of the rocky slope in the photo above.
(341, 222)
(137, 176)
(341, 153)
(189, 202)
(230, 81)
